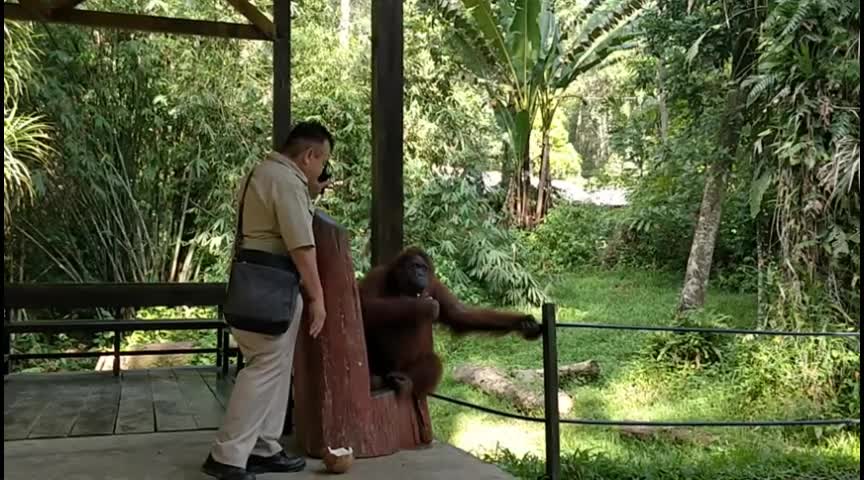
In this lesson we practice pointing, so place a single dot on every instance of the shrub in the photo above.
(690, 349)
(476, 255)
(752, 462)
(570, 237)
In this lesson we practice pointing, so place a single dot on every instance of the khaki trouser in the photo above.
(255, 415)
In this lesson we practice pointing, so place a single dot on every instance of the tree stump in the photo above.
(333, 402)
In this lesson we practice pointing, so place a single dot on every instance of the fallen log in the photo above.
(492, 381)
(670, 434)
(525, 389)
(587, 370)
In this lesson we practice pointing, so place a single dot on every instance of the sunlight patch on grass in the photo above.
(480, 434)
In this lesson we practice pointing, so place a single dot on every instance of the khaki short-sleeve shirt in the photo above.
(277, 214)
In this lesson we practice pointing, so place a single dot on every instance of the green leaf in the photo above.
(757, 192)
(525, 38)
(481, 12)
(522, 132)
(694, 49)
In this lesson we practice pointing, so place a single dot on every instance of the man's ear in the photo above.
(304, 157)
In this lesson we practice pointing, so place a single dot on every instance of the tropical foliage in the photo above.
(526, 57)
(26, 140)
(730, 127)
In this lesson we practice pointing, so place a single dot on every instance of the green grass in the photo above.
(632, 386)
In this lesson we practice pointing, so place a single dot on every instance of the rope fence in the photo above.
(647, 423)
(719, 331)
(552, 418)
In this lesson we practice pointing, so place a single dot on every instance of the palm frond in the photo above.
(607, 25)
(800, 9)
(25, 145)
(472, 44)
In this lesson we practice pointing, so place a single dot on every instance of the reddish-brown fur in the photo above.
(399, 327)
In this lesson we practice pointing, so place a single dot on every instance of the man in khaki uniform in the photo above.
(277, 230)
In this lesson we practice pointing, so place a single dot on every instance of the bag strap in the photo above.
(238, 234)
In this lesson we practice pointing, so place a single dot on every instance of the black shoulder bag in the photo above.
(262, 287)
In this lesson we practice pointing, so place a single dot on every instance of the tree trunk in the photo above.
(525, 194)
(762, 250)
(506, 162)
(544, 185)
(704, 238)
(705, 235)
(710, 212)
(344, 22)
(518, 194)
(661, 102)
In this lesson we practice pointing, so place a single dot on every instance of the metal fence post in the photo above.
(550, 393)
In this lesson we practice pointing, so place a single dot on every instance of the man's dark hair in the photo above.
(304, 133)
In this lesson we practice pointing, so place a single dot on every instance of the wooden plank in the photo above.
(388, 196)
(220, 386)
(44, 379)
(143, 23)
(67, 398)
(135, 414)
(111, 295)
(172, 410)
(11, 392)
(99, 413)
(255, 16)
(206, 409)
(281, 72)
(21, 413)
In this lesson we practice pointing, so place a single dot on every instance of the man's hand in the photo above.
(315, 187)
(317, 315)
(313, 294)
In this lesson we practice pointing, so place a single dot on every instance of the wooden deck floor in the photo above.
(97, 403)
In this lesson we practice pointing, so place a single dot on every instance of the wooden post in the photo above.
(281, 72)
(219, 347)
(550, 390)
(333, 400)
(7, 341)
(226, 352)
(387, 85)
(116, 368)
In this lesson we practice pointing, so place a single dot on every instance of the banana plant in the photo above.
(525, 58)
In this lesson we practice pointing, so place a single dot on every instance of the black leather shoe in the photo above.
(280, 462)
(225, 472)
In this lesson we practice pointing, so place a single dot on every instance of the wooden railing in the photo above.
(52, 300)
